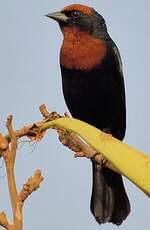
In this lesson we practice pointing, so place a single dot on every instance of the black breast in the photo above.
(97, 96)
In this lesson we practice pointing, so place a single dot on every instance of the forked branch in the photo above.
(8, 152)
(35, 132)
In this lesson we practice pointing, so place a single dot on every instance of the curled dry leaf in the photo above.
(65, 139)
(35, 133)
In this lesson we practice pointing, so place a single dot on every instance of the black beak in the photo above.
(58, 16)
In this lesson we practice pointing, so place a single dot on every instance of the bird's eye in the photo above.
(75, 14)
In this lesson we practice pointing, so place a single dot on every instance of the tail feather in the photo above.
(109, 201)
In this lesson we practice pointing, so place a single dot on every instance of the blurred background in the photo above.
(30, 76)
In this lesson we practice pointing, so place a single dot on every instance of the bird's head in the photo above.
(85, 35)
(81, 17)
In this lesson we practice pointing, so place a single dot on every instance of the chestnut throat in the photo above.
(80, 50)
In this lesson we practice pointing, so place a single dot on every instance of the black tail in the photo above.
(109, 201)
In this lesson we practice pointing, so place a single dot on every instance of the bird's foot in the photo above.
(102, 160)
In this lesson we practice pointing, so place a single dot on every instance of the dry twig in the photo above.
(8, 152)
(69, 139)
(4, 222)
(30, 186)
(74, 142)
(8, 147)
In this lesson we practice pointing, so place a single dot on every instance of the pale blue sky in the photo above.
(30, 75)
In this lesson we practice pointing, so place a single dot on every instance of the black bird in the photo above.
(94, 92)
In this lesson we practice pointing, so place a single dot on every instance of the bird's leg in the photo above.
(102, 160)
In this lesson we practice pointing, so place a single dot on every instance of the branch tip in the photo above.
(3, 143)
(4, 222)
(44, 111)
(31, 185)
(9, 126)
(9, 120)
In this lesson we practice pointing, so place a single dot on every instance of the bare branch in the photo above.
(30, 186)
(4, 222)
(9, 156)
(9, 126)
(13, 137)
(3, 143)
(71, 140)
(35, 132)
(74, 142)
(44, 111)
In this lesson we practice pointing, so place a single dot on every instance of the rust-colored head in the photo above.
(84, 33)
(83, 17)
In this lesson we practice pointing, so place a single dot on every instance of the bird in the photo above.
(94, 92)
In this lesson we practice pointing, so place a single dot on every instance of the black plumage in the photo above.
(93, 88)
(98, 98)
